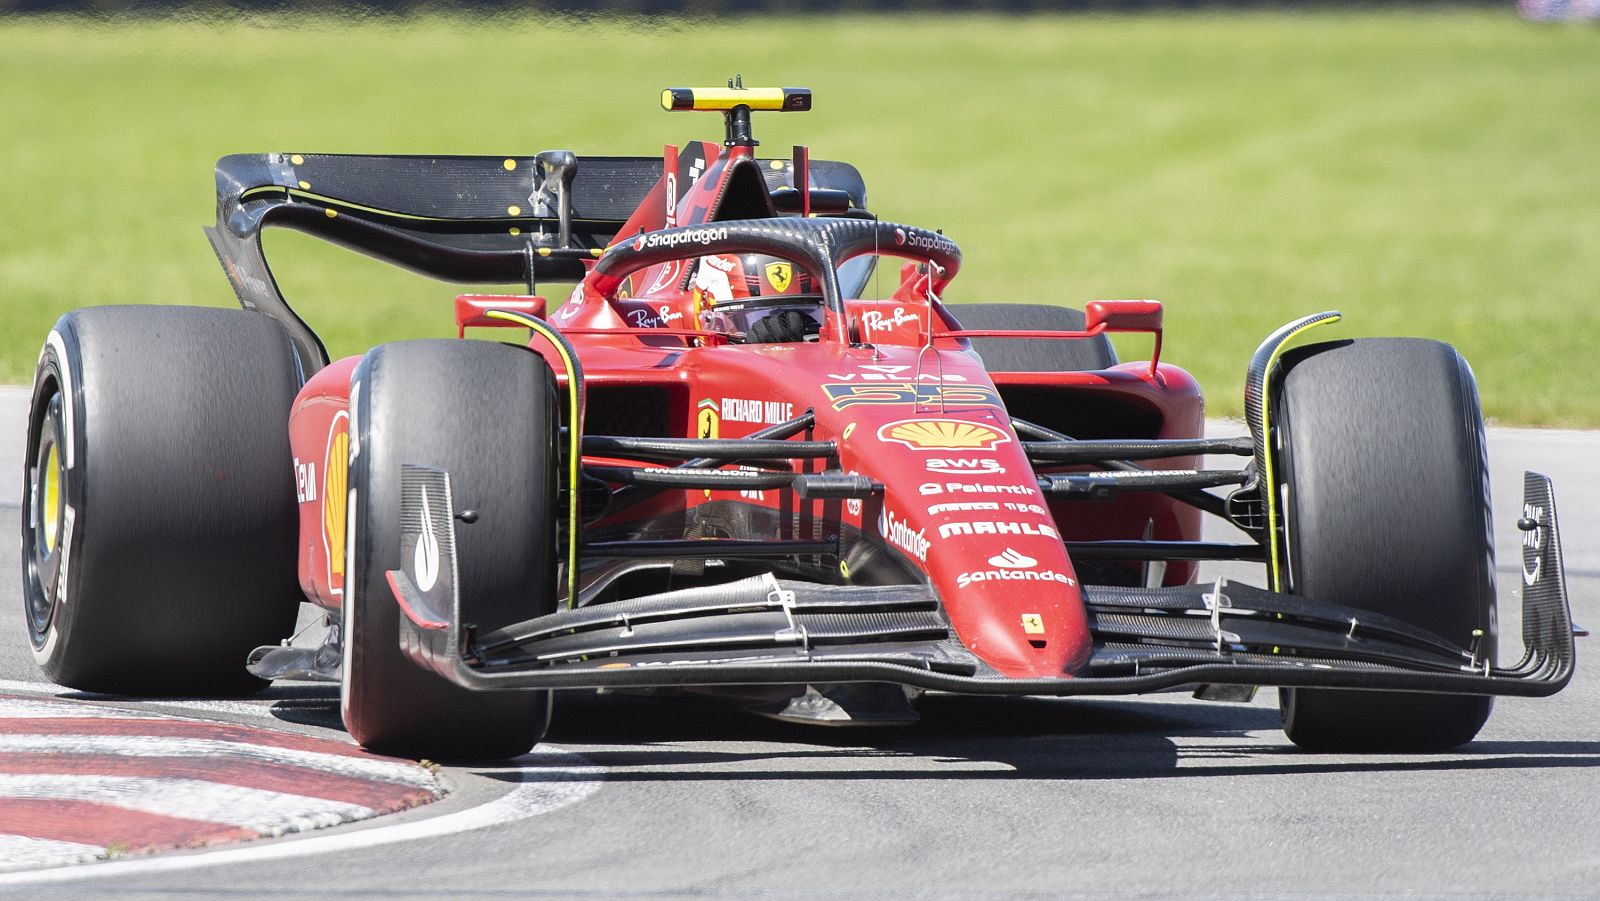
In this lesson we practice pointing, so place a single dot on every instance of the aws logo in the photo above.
(958, 466)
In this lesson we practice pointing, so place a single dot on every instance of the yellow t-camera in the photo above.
(790, 100)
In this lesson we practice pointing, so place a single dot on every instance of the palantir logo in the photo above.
(1012, 559)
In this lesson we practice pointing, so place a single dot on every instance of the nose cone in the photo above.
(997, 561)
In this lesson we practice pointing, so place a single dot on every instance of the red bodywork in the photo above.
(909, 406)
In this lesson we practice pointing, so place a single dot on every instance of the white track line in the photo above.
(259, 709)
(27, 708)
(401, 772)
(23, 685)
(551, 779)
(259, 810)
(24, 851)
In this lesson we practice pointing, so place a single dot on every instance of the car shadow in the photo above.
(304, 704)
(656, 740)
(642, 738)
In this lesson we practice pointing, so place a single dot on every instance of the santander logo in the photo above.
(1012, 559)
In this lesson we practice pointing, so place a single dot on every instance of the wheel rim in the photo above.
(51, 500)
(45, 522)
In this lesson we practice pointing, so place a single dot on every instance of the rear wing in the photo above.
(465, 219)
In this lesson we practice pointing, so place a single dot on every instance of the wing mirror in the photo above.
(1122, 316)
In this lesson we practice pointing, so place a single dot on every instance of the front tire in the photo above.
(158, 520)
(485, 413)
(1382, 456)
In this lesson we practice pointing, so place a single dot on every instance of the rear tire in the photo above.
(158, 467)
(1033, 354)
(1382, 453)
(486, 414)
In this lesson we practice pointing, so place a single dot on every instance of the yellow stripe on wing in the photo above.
(1270, 495)
(569, 359)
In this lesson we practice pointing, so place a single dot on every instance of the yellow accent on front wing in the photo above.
(574, 436)
(1270, 495)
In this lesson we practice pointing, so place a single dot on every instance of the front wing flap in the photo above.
(762, 630)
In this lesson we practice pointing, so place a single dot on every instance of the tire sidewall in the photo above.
(47, 580)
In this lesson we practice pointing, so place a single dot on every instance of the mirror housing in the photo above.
(1122, 316)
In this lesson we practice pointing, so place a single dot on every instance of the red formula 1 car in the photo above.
(718, 467)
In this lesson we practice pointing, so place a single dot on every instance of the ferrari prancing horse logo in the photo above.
(779, 275)
(707, 421)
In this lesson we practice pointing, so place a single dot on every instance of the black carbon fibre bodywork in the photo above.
(467, 219)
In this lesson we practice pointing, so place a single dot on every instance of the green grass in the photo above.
(1428, 173)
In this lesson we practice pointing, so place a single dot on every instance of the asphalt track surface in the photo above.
(1050, 798)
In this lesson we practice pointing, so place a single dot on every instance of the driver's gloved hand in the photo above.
(783, 327)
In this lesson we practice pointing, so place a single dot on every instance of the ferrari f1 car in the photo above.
(725, 465)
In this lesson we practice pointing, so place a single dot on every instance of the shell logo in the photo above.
(334, 499)
(942, 434)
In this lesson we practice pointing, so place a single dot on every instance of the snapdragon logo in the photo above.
(904, 237)
(700, 236)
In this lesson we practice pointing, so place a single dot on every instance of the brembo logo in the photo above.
(673, 239)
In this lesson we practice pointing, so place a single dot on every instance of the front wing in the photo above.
(766, 631)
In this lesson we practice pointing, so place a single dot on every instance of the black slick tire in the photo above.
(1033, 354)
(486, 413)
(1381, 448)
(158, 509)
